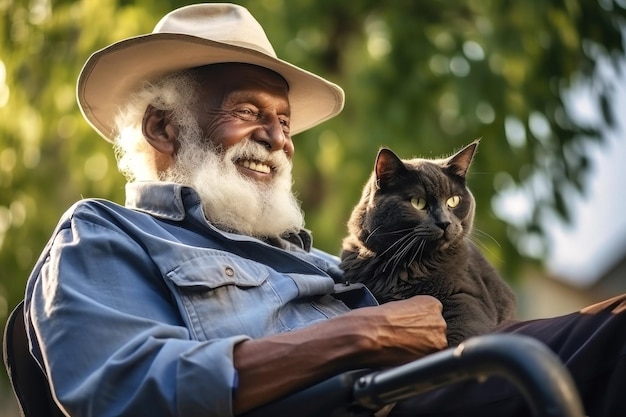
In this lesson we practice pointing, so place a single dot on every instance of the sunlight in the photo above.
(8, 159)
(39, 11)
(539, 126)
(473, 51)
(513, 205)
(515, 132)
(4, 88)
(378, 44)
(459, 66)
(485, 112)
(96, 167)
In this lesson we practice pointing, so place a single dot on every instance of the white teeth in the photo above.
(256, 166)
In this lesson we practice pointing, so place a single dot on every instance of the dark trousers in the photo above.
(591, 343)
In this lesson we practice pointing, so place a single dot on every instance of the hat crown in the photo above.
(226, 23)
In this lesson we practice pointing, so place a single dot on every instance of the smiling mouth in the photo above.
(256, 166)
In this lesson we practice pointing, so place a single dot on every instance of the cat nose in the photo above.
(443, 225)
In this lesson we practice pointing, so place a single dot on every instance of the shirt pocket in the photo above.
(214, 271)
(223, 296)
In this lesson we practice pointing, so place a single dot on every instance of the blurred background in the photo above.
(540, 81)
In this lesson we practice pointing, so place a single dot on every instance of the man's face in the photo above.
(236, 152)
(243, 102)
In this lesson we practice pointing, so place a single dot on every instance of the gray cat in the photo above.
(410, 234)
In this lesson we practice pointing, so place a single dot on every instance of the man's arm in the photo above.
(112, 340)
(391, 334)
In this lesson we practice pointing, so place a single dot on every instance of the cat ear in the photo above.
(460, 162)
(388, 165)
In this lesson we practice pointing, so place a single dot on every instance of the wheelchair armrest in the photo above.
(330, 396)
(531, 366)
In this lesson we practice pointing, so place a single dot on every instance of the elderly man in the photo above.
(203, 296)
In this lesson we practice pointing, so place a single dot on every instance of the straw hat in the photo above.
(189, 37)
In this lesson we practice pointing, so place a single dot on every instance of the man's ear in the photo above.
(160, 130)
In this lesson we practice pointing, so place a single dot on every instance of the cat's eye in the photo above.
(418, 203)
(453, 201)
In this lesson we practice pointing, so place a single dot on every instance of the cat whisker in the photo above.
(397, 244)
(397, 256)
(408, 245)
(485, 234)
(477, 241)
(482, 245)
(391, 232)
(372, 233)
(419, 251)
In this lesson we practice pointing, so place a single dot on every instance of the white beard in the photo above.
(232, 201)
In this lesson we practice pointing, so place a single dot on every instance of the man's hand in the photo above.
(401, 331)
(391, 334)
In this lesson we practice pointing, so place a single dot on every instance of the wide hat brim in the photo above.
(111, 75)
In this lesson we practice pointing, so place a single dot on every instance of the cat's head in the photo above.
(426, 198)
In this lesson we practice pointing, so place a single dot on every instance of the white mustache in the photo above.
(252, 151)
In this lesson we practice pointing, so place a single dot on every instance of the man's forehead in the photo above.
(233, 82)
(233, 72)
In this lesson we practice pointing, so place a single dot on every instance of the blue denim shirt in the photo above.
(135, 310)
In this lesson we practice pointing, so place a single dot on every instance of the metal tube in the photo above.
(531, 366)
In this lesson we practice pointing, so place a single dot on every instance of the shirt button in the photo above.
(229, 271)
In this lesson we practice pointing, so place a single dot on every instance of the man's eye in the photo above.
(247, 114)
(285, 124)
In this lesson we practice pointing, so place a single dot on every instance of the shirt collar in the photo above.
(171, 201)
(161, 199)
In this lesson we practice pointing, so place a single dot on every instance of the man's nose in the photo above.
(272, 135)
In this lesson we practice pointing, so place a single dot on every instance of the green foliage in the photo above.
(422, 77)
(426, 78)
